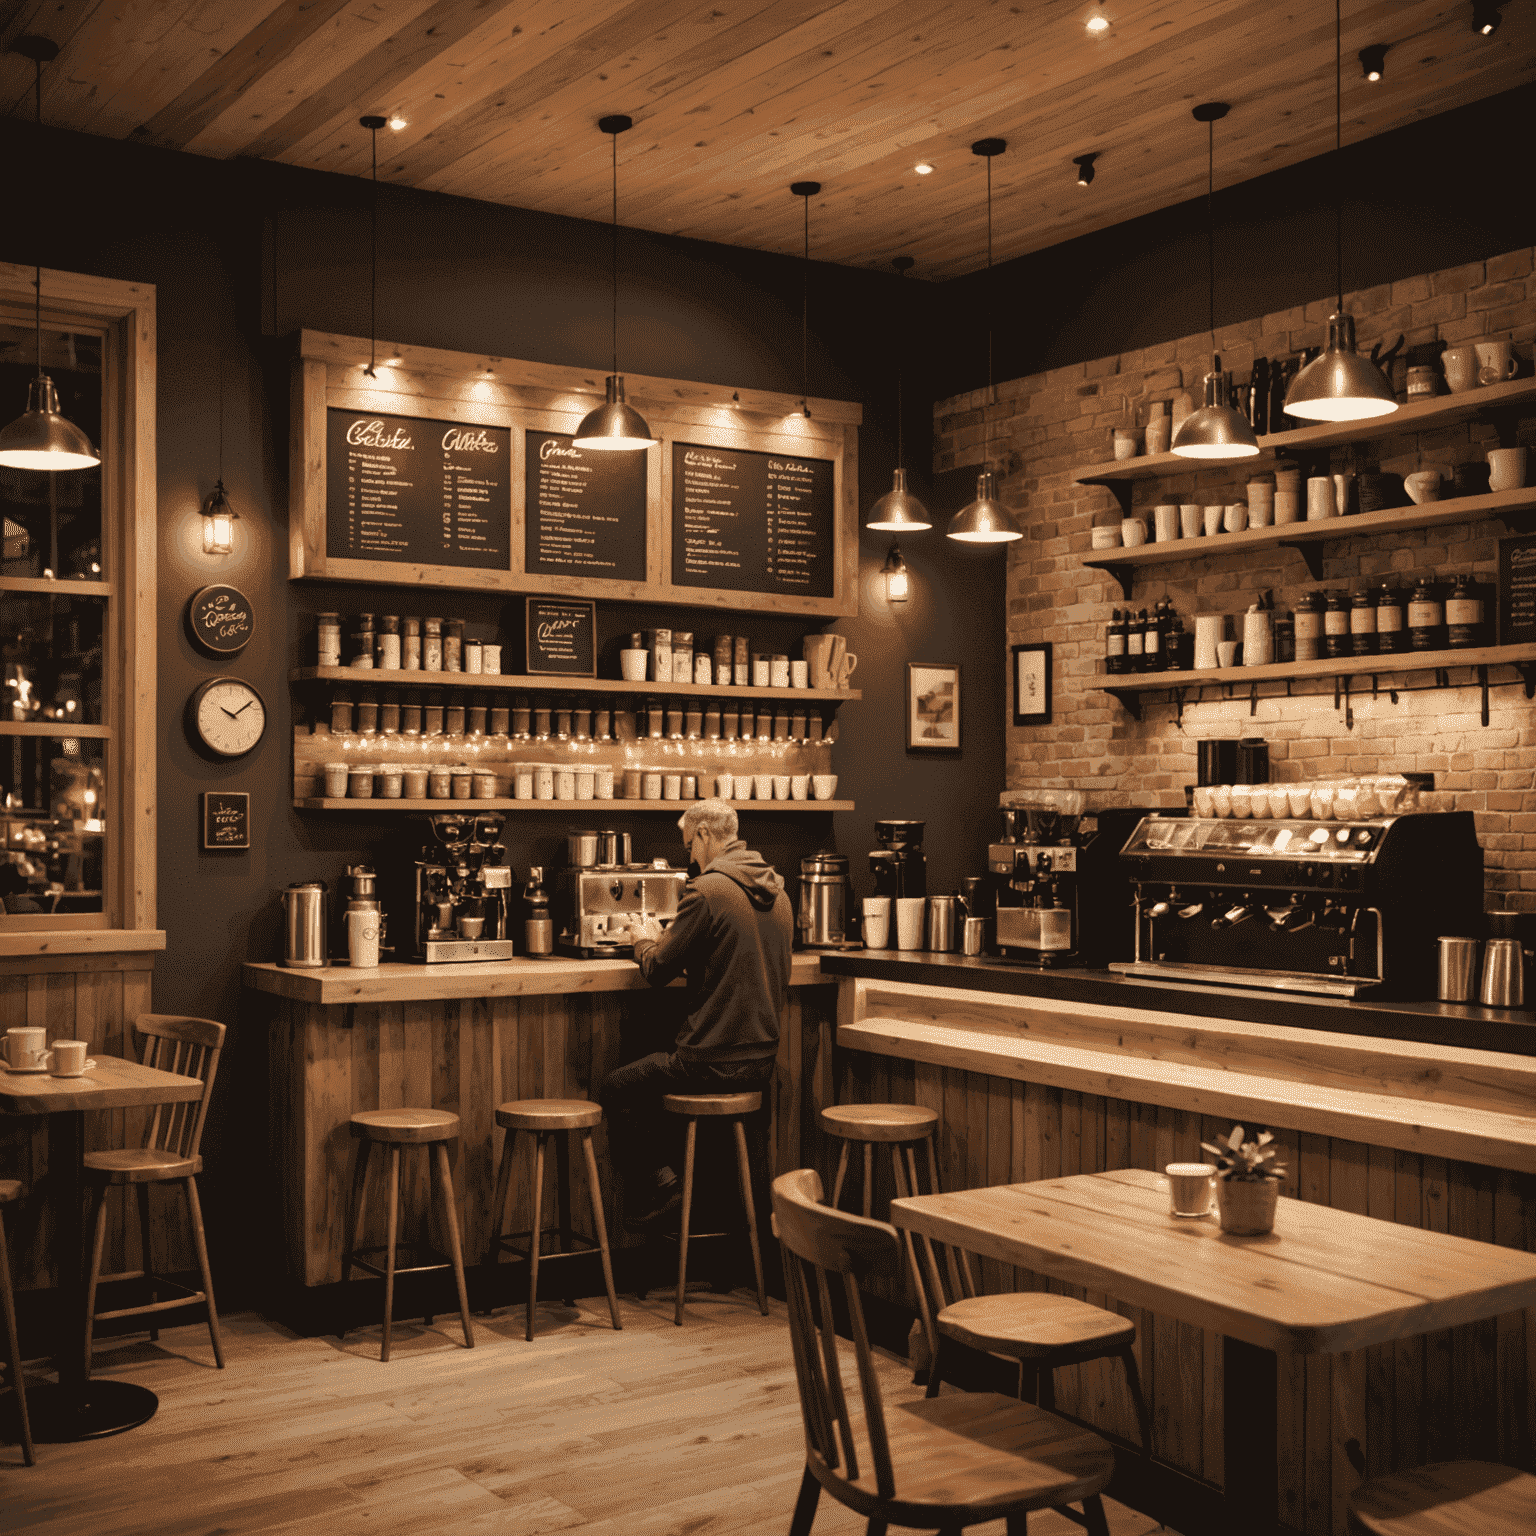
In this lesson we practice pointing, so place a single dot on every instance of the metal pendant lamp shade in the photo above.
(1339, 384)
(1215, 431)
(614, 426)
(986, 520)
(899, 511)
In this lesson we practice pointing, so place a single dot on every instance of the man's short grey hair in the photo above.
(714, 818)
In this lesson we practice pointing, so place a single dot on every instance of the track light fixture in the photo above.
(1084, 164)
(1485, 17)
(1373, 61)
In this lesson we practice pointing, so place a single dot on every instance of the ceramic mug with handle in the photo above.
(67, 1058)
(1460, 365)
(1496, 362)
(818, 656)
(25, 1049)
(845, 668)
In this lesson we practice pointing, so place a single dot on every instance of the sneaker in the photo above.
(666, 1201)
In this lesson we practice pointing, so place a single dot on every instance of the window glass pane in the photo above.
(52, 521)
(53, 794)
(51, 649)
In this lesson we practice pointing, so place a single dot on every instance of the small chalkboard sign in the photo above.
(226, 819)
(1517, 589)
(221, 619)
(561, 637)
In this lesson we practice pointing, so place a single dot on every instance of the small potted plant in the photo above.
(1247, 1182)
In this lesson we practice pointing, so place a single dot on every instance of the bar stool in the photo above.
(1443, 1499)
(13, 1189)
(733, 1107)
(431, 1129)
(545, 1118)
(901, 1126)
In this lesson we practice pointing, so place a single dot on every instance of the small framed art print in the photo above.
(933, 707)
(1032, 684)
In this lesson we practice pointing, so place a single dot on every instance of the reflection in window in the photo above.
(51, 651)
(53, 814)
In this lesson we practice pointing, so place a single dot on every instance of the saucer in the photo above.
(22, 1071)
(90, 1066)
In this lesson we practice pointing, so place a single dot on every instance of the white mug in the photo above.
(1506, 468)
(781, 782)
(363, 940)
(1213, 521)
(633, 664)
(1321, 499)
(1133, 531)
(24, 1049)
(910, 913)
(800, 786)
(877, 922)
(799, 674)
(67, 1058)
(824, 785)
(1165, 520)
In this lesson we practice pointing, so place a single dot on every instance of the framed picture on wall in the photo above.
(933, 707)
(1032, 684)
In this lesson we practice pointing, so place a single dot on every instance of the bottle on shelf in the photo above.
(1336, 624)
(1463, 615)
(1362, 623)
(1426, 618)
(1114, 644)
(1309, 627)
(1153, 659)
(1180, 647)
(1391, 636)
(1135, 642)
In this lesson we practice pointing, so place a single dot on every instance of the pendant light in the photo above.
(43, 438)
(615, 426)
(805, 190)
(1215, 431)
(898, 583)
(1339, 384)
(219, 518)
(899, 511)
(986, 520)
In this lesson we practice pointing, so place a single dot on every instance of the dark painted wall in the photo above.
(242, 254)
(1433, 195)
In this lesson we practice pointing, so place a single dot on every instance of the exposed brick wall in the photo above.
(1044, 427)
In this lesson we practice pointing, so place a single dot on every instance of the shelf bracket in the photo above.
(1253, 700)
(1482, 682)
(1125, 575)
(1130, 701)
(1310, 551)
(1349, 711)
(1123, 491)
(1178, 704)
(1527, 671)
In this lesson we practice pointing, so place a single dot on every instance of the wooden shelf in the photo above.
(1416, 416)
(55, 728)
(593, 807)
(1130, 687)
(1307, 538)
(380, 678)
(68, 586)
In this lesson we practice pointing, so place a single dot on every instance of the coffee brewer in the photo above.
(460, 893)
(826, 900)
(599, 906)
(1338, 908)
(899, 865)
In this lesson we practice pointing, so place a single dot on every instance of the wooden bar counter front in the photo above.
(467, 1038)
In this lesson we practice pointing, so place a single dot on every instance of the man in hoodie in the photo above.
(731, 941)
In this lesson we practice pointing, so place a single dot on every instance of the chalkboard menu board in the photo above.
(751, 522)
(1517, 589)
(561, 637)
(585, 510)
(419, 492)
(226, 819)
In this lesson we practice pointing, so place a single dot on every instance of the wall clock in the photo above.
(221, 619)
(227, 716)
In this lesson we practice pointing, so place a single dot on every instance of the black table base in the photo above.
(62, 1413)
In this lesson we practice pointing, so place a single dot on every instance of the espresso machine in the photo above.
(899, 865)
(460, 893)
(1337, 908)
(601, 897)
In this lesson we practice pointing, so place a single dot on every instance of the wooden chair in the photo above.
(191, 1047)
(431, 1130)
(546, 1118)
(935, 1464)
(11, 1190)
(1448, 1498)
(731, 1107)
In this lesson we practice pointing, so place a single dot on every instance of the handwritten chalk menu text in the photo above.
(416, 491)
(751, 522)
(585, 510)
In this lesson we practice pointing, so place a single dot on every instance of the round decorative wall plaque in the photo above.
(221, 619)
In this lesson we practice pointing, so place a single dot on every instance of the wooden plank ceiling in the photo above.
(735, 99)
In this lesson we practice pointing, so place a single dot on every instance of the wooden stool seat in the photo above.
(545, 1118)
(879, 1122)
(432, 1130)
(549, 1115)
(1447, 1498)
(723, 1104)
(405, 1127)
(1032, 1324)
(139, 1165)
(14, 1189)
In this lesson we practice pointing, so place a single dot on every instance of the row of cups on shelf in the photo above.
(1355, 799)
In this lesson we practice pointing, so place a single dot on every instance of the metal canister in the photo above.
(582, 849)
(304, 946)
(1458, 968)
(1503, 974)
(824, 895)
(973, 936)
(613, 848)
(941, 924)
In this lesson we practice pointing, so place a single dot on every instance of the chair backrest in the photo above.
(816, 1240)
(174, 1043)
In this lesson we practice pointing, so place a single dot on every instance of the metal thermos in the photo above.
(304, 945)
(1458, 968)
(824, 897)
(613, 848)
(973, 936)
(1503, 974)
(539, 928)
(941, 924)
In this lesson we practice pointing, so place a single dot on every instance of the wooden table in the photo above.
(75, 1407)
(1322, 1282)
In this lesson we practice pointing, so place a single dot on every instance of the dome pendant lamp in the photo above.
(1339, 384)
(1215, 431)
(615, 426)
(899, 511)
(986, 520)
(43, 438)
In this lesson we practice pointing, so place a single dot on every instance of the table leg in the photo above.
(75, 1407)
(1250, 1437)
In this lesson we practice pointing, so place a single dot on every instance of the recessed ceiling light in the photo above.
(397, 122)
(1098, 23)
(1373, 61)
(923, 168)
(1485, 17)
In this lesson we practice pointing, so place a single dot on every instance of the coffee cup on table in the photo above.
(25, 1048)
(67, 1058)
(363, 940)
(877, 922)
(1189, 1188)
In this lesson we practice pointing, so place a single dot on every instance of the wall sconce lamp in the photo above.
(1084, 164)
(1373, 61)
(218, 522)
(898, 581)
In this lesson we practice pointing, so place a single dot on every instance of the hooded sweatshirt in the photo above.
(731, 940)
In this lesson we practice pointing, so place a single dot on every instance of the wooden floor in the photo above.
(654, 1431)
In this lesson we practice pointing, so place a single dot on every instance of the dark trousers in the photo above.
(643, 1138)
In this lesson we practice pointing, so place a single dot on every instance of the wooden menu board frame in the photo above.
(327, 373)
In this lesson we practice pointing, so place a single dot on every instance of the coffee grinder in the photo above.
(460, 893)
(899, 865)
